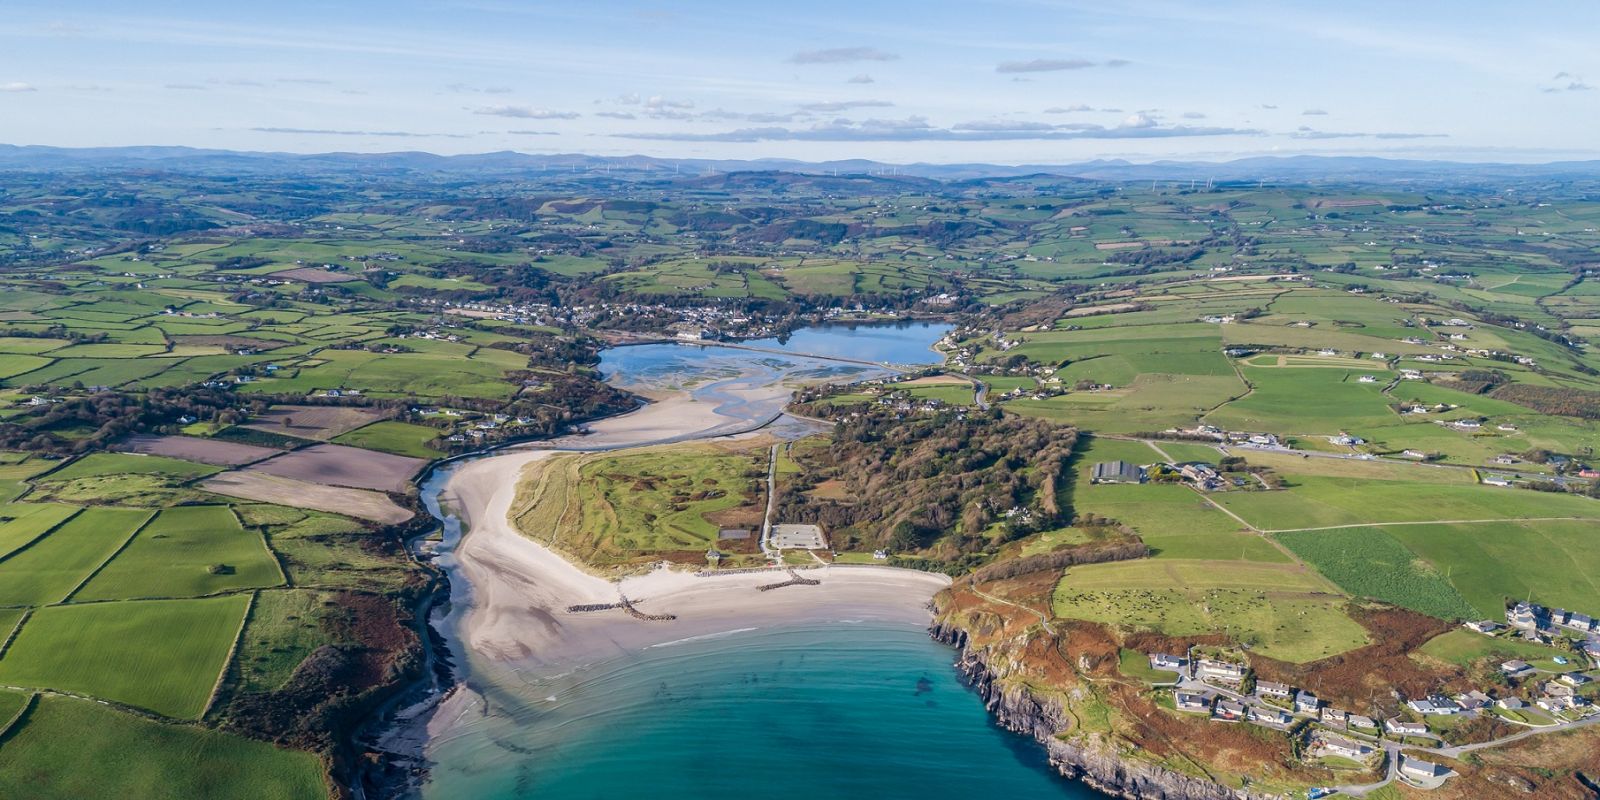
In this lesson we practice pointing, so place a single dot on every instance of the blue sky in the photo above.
(1022, 81)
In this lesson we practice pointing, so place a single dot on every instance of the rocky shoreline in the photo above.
(1018, 710)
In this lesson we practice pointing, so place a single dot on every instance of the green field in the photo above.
(1316, 501)
(1463, 647)
(102, 464)
(1307, 400)
(70, 749)
(21, 523)
(1281, 611)
(186, 552)
(1368, 562)
(51, 568)
(648, 501)
(1136, 665)
(390, 436)
(1174, 520)
(283, 628)
(162, 655)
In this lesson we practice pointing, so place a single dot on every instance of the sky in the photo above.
(945, 81)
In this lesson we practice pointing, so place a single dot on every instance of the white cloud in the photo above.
(1044, 65)
(844, 105)
(841, 55)
(525, 112)
(17, 86)
(861, 78)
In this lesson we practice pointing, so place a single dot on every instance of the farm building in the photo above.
(1117, 472)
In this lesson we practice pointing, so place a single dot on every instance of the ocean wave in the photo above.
(702, 637)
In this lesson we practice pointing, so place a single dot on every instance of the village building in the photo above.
(1266, 715)
(1423, 772)
(1400, 727)
(1306, 703)
(1229, 710)
(1209, 670)
(1193, 701)
(1269, 689)
(1343, 748)
(1164, 661)
(1434, 707)
(1473, 700)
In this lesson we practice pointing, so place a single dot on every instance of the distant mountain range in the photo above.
(1291, 169)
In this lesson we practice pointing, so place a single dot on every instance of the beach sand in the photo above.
(508, 618)
(518, 591)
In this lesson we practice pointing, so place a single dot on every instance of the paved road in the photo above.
(772, 501)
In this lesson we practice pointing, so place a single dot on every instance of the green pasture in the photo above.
(185, 552)
(47, 571)
(391, 436)
(1280, 611)
(70, 749)
(161, 655)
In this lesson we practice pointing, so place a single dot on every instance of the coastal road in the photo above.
(772, 502)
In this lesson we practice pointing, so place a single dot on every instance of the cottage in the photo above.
(1360, 721)
(1402, 728)
(1553, 689)
(1511, 703)
(1344, 748)
(1557, 704)
(1193, 701)
(1434, 706)
(1524, 616)
(1220, 671)
(1229, 710)
(1487, 626)
(1417, 768)
(1516, 668)
(1575, 679)
(1266, 715)
(1117, 472)
(1280, 691)
(1334, 716)
(1164, 661)
(1473, 700)
(1306, 703)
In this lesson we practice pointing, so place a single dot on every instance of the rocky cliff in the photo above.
(1018, 709)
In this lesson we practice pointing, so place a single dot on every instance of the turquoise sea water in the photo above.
(871, 711)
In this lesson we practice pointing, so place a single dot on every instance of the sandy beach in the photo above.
(515, 609)
(508, 617)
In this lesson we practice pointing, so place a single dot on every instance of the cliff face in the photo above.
(1017, 709)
